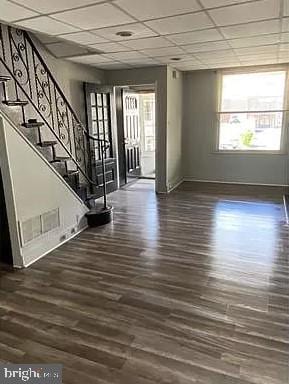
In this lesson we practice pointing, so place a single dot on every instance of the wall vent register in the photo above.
(36, 226)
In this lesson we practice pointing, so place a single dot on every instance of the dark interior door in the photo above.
(99, 112)
(5, 244)
(132, 136)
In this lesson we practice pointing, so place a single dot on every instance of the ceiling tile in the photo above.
(222, 55)
(184, 59)
(189, 66)
(255, 41)
(225, 64)
(112, 66)
(244, 13)
(262, 27)
(109, 47)
(11, 12)
(204, 47)
(256, 60)
(196, 37)
(284, 57)
(182, 23)
(46, 39)
(132, 55)
(220, 3)
(96, 16)
(47, 25)
(138, 31)
(284, 49)
(286, 8)
(284, 37)
(90, 59)
(45, 6)
(285, 24)
(143, 63)
(172, 51)
(152, 9)
(262, 49)
(63, 49)
(84, 38)
(152, 42)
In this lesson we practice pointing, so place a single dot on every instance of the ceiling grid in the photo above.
(188, 34)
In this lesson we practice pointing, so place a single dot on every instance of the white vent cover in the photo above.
(50, 220)
(32, 228)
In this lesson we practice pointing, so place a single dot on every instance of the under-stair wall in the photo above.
(43, 211)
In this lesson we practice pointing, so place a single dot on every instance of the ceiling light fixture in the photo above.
(124, 33)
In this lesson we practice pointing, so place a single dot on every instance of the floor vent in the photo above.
(32, 228)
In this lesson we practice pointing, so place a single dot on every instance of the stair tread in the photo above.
(47, 143)
(4, 78)
(32, 125)
(71, 173)
(15, 103)
(61, 158)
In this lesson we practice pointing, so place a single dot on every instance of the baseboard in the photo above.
(52, 249)
(175, 186)
(232, 182)
(286, 207)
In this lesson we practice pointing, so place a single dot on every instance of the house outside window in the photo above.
(252, 111)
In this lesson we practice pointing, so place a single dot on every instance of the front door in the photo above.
(132, 136)
(99, 103)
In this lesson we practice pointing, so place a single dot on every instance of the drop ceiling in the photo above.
(200, 33)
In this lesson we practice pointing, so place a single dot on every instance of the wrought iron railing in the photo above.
(33, 80)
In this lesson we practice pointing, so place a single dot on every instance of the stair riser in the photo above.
(73, 181)
(60, 167)
(46, 152)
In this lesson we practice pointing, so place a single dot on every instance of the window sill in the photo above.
(244, 152)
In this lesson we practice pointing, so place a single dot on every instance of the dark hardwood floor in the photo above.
(187, 288)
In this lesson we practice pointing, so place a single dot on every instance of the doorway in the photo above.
(99, 102)
(5, 243)
(139, 105)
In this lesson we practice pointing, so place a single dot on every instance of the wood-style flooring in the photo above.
(190, 288)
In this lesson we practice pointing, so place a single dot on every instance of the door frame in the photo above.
(109, 89)
(120, 128)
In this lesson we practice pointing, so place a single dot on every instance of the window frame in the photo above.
(285, 118)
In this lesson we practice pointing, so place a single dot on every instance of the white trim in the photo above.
(284, 129)
(187, 178)
(171, 189)
(52, 249)
(286, 210)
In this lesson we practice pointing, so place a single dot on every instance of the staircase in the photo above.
(31, 97)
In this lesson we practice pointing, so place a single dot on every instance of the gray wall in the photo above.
(174, 127)
(158, 77)
(200, 161)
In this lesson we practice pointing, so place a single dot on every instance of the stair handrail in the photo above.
(79, 122)
(71, 156)
(76, 122)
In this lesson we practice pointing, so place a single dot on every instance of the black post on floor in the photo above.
(103, 149)
(101, 215)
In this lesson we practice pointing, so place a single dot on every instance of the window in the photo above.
(251, 111)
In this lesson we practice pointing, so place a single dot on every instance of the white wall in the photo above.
(32, 188)
(200, 161)
(174, 127)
